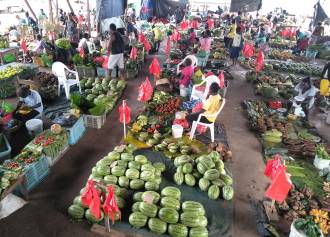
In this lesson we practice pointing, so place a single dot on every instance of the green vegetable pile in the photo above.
(308, 227)
(63, 43)
(321, 152)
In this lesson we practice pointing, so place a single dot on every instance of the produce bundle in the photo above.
(297, 68)
(48, 85)
(9, 72)
(165, 213)
(7, 177)
(63, 43)
(208, 172)
(4, 43)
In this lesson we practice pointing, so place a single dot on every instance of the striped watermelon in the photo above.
(137, 197)
(201, 168)
(132, 173)
(136, 207)
(134, 165)
(136, 184)
(91, 218)
(191, 206)
(126, 156)
(76, 211)
(171, 192)
(187, 168)
(190, 180)
(203, 184)
(178, 178)
(123, 181)
(77, 201)
(198, 232)
(141, 159)
(113, 156)
(155, 196)
(211, 174)
(207, 162)
(213, 192)
(170, 202)
(151, 186)
(227, 192)
(159, 166)
(177, 230)
(220, 183)
(137, 219)
(169, 215)
(190, 219)
(157, 226)
(147, 175)
(148, 167)
(227, 179)
(110, 179)
(118, 171)
(196, 174)
(120, 202)
(147, 209)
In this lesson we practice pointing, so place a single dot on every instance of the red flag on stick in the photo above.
(110, 206)
(280, 186)
(24, 46)
(147, 45)
(145, 91)
(125, 113)
(210, 23)
(168, 47)
(154, 68)
(184, 25)
(248, 50)
(133, 54)
(222, 79)
(91, 198)
(273, 166)
(260, 61)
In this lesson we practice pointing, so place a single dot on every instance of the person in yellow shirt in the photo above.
(231, 34)
(158, 36)
(210, 106)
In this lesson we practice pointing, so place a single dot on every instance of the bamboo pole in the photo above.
(51, 18)
(88, 18)
(31, 10)
(56, 14)
(69, 4)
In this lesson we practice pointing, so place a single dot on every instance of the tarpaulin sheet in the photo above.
(163, 8)
(319, 13)
(109, 8)
(219, 213)
(245, 5)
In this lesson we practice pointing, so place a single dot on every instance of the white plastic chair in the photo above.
(60, 70)
(194, 61)
(91, 47)
(209, 125)
(197, 94)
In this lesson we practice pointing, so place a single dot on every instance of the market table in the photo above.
(3, 52)
(21, 183)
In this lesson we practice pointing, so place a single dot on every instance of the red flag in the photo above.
(145, 91)
(210, 23)
(141, 38)
(91, 198)
(147, 45)
(82, 52)
(154, 68)
(221, 79)
(248, 50)
(110, 206)
(177, 35)
(260, 61)
(23, 46)
(280, 186)
(133, 54)
(125, 113)
(194, 24)
(273, 166)
(184, 25)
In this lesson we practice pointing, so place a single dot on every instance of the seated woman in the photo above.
(187, 72)
(29, 105)
(40, 46)
(210, 106)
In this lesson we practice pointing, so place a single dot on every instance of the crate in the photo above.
(53, 160)
(5, 154)
(76, 131)
(36, 172)
(101, 72)
(84, 71)
(91, 121)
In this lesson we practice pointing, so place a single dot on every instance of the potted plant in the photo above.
(305, 228)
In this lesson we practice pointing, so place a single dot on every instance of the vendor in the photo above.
(210, 107)
(29, 105)
(317, 33)
(158, 36)
(206, 41)
(186, 75)
(83, 43)
(326, 71)
(305, 91)
(261, 38)
(230, 35)
(40, 46)
(14, 36)
(302, 45)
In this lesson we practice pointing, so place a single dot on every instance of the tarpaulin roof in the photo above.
(163, 8)
(245, 5)
(319, 14)
(109, 8)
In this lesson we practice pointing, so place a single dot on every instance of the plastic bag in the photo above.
(324, 87)
(260, 61)
(272, 167)
(248, 50)
(105, 62)
(280, 186)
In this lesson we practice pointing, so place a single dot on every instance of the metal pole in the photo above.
(69, 4)
(88, 18)
(31, 10)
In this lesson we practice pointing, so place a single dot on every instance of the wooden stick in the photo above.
(107, 223)
(69, 4)
(51, 18)
(31, 10)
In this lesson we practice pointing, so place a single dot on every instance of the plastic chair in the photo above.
(197, 94)
(193, 59)
(91, 47)
(60, 70)
(209, 125)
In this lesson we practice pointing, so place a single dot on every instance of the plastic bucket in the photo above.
(183, 91)
(177, 131)
(34, 126)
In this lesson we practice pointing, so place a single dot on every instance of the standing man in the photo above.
(116, 49)
(42, 18)
(317, 33)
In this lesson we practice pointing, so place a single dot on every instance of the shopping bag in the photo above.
(280, 186)
(324, 87)
(273, 166)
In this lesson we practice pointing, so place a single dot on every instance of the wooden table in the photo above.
(3, 52)
(21, 183)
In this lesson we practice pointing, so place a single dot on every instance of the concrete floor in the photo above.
(46, 213)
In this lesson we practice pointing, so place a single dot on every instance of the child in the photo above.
(187, 73)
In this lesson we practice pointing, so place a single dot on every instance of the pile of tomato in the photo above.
(169, 107)
(43, 140)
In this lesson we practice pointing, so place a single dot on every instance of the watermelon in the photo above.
(198, 232)
(132, 173)
(190, 219)
(159, 166)
(77, 201)
(136, 207)
(169, 215)
(227, 179)
(190, 180)
(120, 202)
(191, 206)
(211, 174)
(203, 184)
(136, 184)
(171, 192)
(123, 181)
(177, 230)
(157, 226)
(113, 156)
(134, 165)
(155, 196)
(201, 168)
(187, 168)
(215, 156)
(91, 218)
(157, 173)
(181, 160)
(227, 192)
(137, 219)
(207, 162)
(178, 178)
(147, 209)
(157, 180)
(148, 167)
(137, 197)
(122, 163)
(110, 179)
(170, 202)
(151, 186)
(76, 211)
(213, 192)
(118, 171)
(220, 183)
(141, 159)
(196, 174)
(126, 157)
(123, 192)
(147, 175)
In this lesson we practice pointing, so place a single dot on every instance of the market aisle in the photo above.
(248, 165)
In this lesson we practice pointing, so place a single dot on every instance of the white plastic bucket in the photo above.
(34, 126)
(180, 115)
(321, 163)
(177, 131)
(183, 91)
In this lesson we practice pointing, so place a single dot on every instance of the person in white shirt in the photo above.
(14, 36)
(30, 104)
(83, 43)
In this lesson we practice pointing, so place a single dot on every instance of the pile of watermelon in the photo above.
(207, 171)
(164, 213)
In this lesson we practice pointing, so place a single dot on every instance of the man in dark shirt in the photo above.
(116, 49)
(326, 71)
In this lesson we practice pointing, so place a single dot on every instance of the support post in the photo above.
(31, 10)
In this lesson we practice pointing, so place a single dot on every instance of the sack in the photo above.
(324, 87)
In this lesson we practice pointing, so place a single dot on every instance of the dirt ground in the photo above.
(46, 213)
